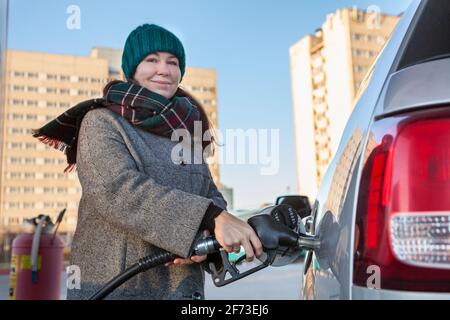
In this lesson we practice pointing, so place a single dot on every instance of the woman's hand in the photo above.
(181, 261)
(232, 233)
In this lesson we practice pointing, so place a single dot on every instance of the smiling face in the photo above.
(159, 72)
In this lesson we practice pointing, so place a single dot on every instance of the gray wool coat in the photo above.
(135, 198)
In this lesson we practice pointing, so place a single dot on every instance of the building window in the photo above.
(32, 103)
(49, 161)
(19, 131)
(52, 77)
(360, 69)
(48, 175)
(13, 220)
(28, 205)
(17, 102)
(52, 90)
(18, 88)
(15, 116)
(30, 175)
(33, 75)
(19, 74)
(28, 189)
(13, 175)
(364, 53)
(49, 189)
(357, 52)
(358, 36)
(64, 78)
(49, 205)
(12, 190)
(62, 176)
(360, 16)
(14, 145)
(15, 160)
(12, 205)
(30, 160)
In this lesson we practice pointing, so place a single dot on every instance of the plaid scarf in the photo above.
(140, 106)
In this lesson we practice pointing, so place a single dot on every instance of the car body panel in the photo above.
(422, 85)
(403, 80)
(330, 273)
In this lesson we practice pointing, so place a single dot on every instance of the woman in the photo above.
(136, 196)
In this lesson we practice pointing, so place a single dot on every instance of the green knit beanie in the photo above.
(147, 39)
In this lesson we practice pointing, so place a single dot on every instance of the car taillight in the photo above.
(403, 214)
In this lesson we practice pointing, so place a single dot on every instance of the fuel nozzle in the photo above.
(273, 234)
(282, 236)
(206, 246)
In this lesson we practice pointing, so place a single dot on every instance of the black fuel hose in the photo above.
(142, 265)
(202, 247)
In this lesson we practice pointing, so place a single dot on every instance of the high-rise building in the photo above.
(202, 84)
(327, 69)
(39, 87)
(114, 58)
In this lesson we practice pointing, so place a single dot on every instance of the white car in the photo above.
(384, 225)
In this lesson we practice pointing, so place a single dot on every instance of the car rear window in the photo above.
(430, 37)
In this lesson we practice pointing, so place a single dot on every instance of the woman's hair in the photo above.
(206, 123)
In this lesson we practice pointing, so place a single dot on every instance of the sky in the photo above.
(246, 41)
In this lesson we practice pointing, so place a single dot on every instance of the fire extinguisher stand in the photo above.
(37, 261)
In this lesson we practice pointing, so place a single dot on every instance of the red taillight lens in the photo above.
(377, 194)
(422, 174)
(403, 214)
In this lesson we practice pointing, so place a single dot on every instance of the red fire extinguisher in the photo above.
(37, 261)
